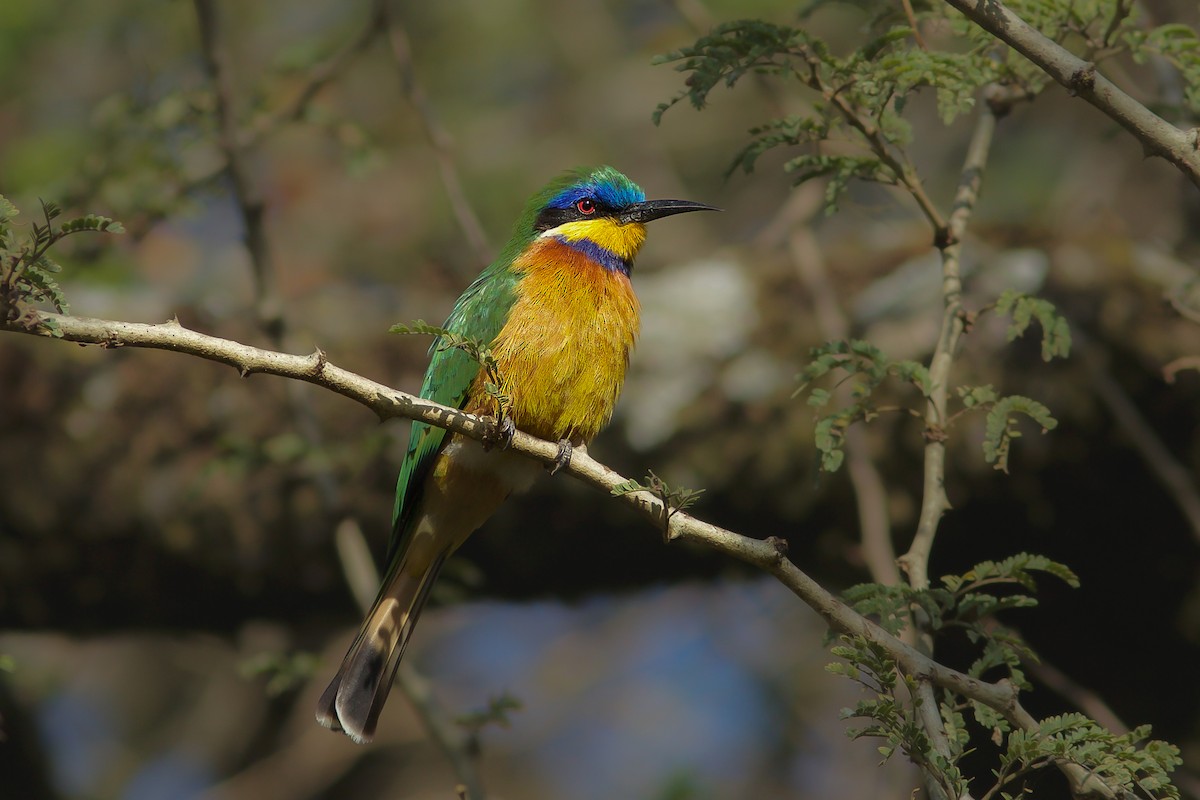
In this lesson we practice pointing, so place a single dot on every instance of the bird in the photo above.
(558, 313)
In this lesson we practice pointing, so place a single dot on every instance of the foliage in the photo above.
(495, 713)
(284, 672)
(889, 715)
(870, 367)
(1001, 426)
(967, 602)
(476, 349)
(674, 499)
(1180, 46)
(26, 269)
(854, 127)
(1024, 309)
(1127, 762)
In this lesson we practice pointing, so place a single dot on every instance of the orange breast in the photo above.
(564, 349)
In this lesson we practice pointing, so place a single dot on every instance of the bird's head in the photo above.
(600, 211)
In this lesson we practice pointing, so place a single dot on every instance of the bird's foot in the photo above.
(500, 435)
(563, 457)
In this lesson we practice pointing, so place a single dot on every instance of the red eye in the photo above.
(586, 206)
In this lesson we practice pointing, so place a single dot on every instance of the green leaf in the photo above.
(7, 210)
(1001, 426)
(865, 362)
(448, 339)
(1017, 568)
(972, 396)
(1179, 45)
(839, 170)
(495, 713)
(50, 210)
(92, 222)
(1056, 333)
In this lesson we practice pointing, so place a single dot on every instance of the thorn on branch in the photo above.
(943, 237)
(1082, 81)
(319, 362)
(780, 546)
(934, 433)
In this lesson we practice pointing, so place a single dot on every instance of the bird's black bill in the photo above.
(657, 209)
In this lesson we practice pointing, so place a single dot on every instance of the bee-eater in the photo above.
(559, 315)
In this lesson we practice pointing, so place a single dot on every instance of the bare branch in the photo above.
(439, 139)
(767, 554)
(319, 76)
(1175, 478)
(250, 204)
(934, 502)
(870, 494)
(1158, 137)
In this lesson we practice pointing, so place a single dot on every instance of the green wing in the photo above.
(479, 314)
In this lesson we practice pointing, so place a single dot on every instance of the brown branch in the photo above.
(439, 139)
(870, 494)
(319, 76)
(1178, 481)
(765, 554)
(912, 23)
(934, 503)
(1158, 137)
(250, 204)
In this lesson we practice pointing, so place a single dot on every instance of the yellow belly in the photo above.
(564, 350)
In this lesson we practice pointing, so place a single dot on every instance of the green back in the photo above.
(480, 313)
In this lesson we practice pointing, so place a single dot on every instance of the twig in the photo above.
(318, 77)
(439, 139)
(870, 494)
(268, 303)
(912, 23)
(900, 166)
(1158, 137)
(934, 502)
(1175, 478)
(250, 204)
(765, 554)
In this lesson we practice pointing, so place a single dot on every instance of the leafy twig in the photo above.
(672, 500)
(1080, 78)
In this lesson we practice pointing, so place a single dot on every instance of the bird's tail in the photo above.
(356, 695)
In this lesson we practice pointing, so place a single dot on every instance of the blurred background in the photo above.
(171, 597)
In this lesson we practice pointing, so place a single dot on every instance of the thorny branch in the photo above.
(765, 554)
(250, 203)
(439, 139)
(1158, 137)
(934, 502)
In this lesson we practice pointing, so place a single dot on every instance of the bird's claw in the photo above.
(501, 434)
(563, 457)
